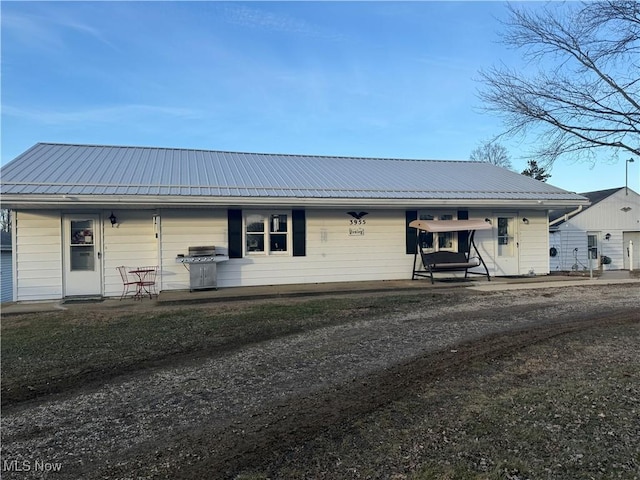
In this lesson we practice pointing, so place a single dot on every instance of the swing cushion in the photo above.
(448, 261)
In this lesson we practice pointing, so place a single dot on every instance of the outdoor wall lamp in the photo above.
(607, 236)
(525, 220)
(113, 219)
(488, 220)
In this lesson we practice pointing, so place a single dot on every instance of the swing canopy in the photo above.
(448, 261)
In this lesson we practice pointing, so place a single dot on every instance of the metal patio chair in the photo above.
(128, 283)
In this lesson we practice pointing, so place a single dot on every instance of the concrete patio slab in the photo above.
(185, 297)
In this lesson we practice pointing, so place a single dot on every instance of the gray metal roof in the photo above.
(59, 169)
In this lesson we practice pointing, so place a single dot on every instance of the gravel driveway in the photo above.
(141, 426)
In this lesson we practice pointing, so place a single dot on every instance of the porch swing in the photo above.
(447, 261)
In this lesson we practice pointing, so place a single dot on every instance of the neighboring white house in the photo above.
(279, 218)
(609, 227)
(6, 268)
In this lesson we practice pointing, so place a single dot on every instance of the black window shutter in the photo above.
(298, 220)
(234, 218)
(411, 232)
(463, 237)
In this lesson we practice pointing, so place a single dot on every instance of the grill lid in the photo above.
(202, 251)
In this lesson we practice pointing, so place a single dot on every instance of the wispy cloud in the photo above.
(30, 30)
(72, 24)
(114, 114)
(47, 30)
(260, 18)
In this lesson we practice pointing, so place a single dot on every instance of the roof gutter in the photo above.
(566, 216)
(283, 202)
(19, 201)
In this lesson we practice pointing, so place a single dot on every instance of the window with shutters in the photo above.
(442, 241)
(267, 233)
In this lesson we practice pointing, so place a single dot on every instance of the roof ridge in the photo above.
(612, 190)
(271, 154)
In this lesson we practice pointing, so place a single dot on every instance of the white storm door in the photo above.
(82, 254)
(507, 246)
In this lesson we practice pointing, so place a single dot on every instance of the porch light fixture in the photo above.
(525, 220)
(113, 219)
(488, 220)
(607, 236)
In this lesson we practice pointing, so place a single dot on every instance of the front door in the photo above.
(82, 265)
(507, 245)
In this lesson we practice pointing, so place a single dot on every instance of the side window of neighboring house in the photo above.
(267, 233)
(592, 244)
(440, 241)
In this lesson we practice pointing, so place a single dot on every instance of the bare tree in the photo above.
(584, 92)
(491, 152)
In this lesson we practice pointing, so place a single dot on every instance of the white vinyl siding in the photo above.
(631, 252)
(38, 254)
(614, 215)
(181, 229)
(335, 255)
(565, 241)
(332, 253)
(532, 240)
(336, 249)
(534, 243)
(131, 242)
(38, 251)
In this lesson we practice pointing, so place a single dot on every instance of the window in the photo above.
(592, 245)
(506, 239)
(82, 245)
(441, 241)
(267, 233)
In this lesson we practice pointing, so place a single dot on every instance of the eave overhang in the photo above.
(44, 201)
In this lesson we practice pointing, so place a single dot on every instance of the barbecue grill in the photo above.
(201, 263)
(200, 255)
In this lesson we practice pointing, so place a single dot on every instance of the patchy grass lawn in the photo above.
(558, 398)
(55, 351)
(568, 408)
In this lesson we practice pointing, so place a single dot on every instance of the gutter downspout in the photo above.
(566, 216)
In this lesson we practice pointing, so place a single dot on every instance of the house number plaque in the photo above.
(354, 230)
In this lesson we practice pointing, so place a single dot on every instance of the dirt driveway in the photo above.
(216, 416)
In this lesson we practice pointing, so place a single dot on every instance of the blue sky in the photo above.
(374, 79)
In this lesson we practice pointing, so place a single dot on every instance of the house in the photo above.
(605, 233)
(80, 211)
(6, 268)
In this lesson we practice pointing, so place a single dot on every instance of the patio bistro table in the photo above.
(142, 282)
